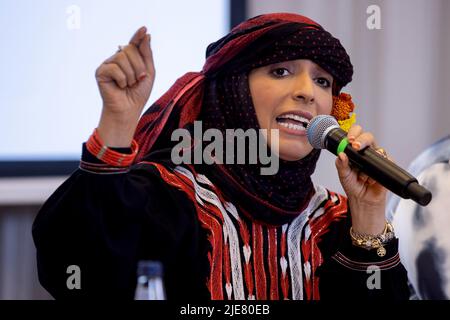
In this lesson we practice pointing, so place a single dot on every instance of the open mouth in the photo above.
(293, 121)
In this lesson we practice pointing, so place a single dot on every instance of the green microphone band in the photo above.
(342, 145)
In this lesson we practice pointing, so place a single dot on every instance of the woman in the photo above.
(222, 231)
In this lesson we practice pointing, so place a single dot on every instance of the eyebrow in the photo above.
(323, 73)
(317, 68)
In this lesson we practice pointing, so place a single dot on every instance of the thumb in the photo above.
(138, 35)
(147, 53)
(343, 168)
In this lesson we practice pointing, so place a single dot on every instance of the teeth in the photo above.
(294, 117)
(292, 126)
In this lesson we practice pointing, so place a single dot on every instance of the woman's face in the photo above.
(286, 96)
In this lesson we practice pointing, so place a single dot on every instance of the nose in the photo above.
(304, 88)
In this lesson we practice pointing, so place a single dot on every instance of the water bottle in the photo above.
(150, 281)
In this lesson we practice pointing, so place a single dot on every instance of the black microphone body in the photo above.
(369, 161)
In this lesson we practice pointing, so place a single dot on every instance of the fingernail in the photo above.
(142, 76)
(356, 145)
(351, 139)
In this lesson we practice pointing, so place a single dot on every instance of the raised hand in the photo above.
(125, 81)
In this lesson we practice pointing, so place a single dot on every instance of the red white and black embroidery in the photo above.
(238, 258)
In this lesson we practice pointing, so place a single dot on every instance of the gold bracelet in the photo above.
(369, 242)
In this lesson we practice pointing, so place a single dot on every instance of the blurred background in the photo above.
(49, 102)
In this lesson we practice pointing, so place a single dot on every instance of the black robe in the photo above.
(106, 223)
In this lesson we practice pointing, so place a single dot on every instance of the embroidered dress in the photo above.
(221, 231)
(106, 221)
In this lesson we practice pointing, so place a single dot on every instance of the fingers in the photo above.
(121, 59)
(349, 176)
(343, 168)
(363, 140)
(359, 140)
(131, 60)
(111, 72)
(353, 132)
(383, 153)
(138, 35)
(141, 40)
(147, 54)
(136, 61)
(131, 64)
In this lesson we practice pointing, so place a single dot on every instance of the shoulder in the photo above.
(167, 194)
(164, 177)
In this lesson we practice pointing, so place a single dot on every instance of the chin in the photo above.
(294, 152)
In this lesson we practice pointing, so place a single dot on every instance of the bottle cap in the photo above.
(150, 268)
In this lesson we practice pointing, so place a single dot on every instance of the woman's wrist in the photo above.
(368, 218)
(371, 226)
(370, 241)
(97, 148)
(117, 131)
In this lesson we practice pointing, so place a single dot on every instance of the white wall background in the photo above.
(49, 101)
(401, 84)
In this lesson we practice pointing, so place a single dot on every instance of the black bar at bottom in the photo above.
(37, 168)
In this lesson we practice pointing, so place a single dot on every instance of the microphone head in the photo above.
(318, 128)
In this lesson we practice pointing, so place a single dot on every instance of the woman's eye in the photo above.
(280, 72)
(323, 82)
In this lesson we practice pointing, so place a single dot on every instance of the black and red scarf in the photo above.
(219, 96)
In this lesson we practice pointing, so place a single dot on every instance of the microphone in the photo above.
(323, 132)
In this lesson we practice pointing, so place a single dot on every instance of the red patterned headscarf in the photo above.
(219, 95)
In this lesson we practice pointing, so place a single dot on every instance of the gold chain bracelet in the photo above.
(369, 242)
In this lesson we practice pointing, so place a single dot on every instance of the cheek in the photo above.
(264, 102)
(325, 104)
